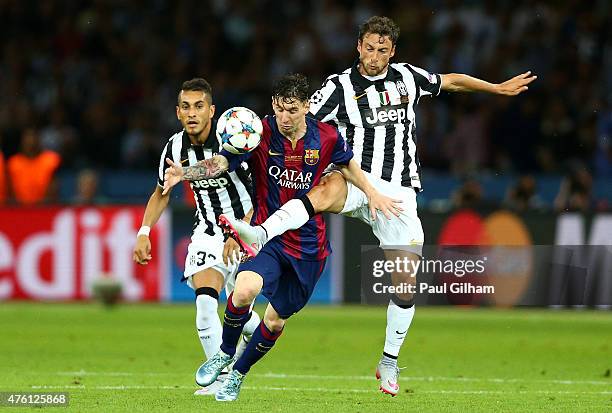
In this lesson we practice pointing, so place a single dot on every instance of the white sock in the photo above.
(398, 323)
(208, 324)
(292, 215)
(251, 325)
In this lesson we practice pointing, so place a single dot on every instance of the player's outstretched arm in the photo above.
(457, 82)
(377, 201)
(156, 205)
(204, 169)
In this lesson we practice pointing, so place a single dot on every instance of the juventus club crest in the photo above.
(403, 91)
(311, 156)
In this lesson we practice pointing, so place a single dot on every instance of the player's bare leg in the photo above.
(400, 312)
(263, 340)
(328, 196)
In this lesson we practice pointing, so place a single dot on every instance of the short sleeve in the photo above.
(324, 102)
(163, 165)
(342, 153)
(428, 83)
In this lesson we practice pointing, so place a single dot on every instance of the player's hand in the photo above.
(142, 250)
(516, 85)
(231, 252)
(172, 176)
(384, 204)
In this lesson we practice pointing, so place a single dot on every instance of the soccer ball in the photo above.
(239, 130)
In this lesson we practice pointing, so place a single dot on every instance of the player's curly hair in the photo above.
(197, 84)
(382, 26)
(290, 87)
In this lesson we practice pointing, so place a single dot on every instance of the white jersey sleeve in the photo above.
(325, 101)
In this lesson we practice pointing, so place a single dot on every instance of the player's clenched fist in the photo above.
(142, 250)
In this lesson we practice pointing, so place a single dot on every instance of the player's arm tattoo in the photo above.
(206, 168)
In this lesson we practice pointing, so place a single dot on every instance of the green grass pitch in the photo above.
(143, 358)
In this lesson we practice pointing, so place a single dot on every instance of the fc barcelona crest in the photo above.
(311, 156)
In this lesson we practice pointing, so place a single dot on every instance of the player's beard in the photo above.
(369, 71)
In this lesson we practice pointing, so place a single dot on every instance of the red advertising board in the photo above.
(58, 253)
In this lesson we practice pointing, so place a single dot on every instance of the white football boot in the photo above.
(388, 374)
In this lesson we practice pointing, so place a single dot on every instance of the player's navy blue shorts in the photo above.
(288, 282)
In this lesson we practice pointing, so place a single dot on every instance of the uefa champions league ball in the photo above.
(239, 130)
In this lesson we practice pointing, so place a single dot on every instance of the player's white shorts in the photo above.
(204, 252)
(404, 232)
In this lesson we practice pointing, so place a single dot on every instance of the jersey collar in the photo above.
(211, 142)
(358, 79)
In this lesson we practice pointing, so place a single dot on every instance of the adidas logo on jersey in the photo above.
(220, 182)
(391, 114)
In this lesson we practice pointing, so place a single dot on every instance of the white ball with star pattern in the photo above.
(239, 130)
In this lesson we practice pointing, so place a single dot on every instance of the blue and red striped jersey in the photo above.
(281, 173)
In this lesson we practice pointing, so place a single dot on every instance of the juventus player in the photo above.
(373, 104)
(210, 263)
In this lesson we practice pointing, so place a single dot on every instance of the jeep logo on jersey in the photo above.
(290, 178)
(392, 114)
(220, 182)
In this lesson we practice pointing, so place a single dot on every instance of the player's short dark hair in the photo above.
(382, 26)
(290, 87)
(197, 84)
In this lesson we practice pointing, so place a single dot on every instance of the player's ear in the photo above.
(178, 111)
(392, 53)
(359, 46)
(212, 111)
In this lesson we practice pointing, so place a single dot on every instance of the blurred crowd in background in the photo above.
(92, 85)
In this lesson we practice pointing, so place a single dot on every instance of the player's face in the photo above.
(290, 115)
(194, 112)
(375, 51)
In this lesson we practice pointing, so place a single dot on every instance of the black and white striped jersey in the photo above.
(229, 193)
(377, 118)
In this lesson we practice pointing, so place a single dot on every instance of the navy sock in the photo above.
(233, 322)
(261, 342)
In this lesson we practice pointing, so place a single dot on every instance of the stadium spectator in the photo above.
(87, 189)
(31, 171)
(523, 197)
(2, 176)
(469, 195)
(603, 154)
(466, 146)
(86, 88)
(576, 190)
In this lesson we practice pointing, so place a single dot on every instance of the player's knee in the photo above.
(318, 198)
(404, 300)
(244, 295)
(322, 196)
(274, 324)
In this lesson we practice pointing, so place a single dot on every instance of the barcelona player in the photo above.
(289, 161)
